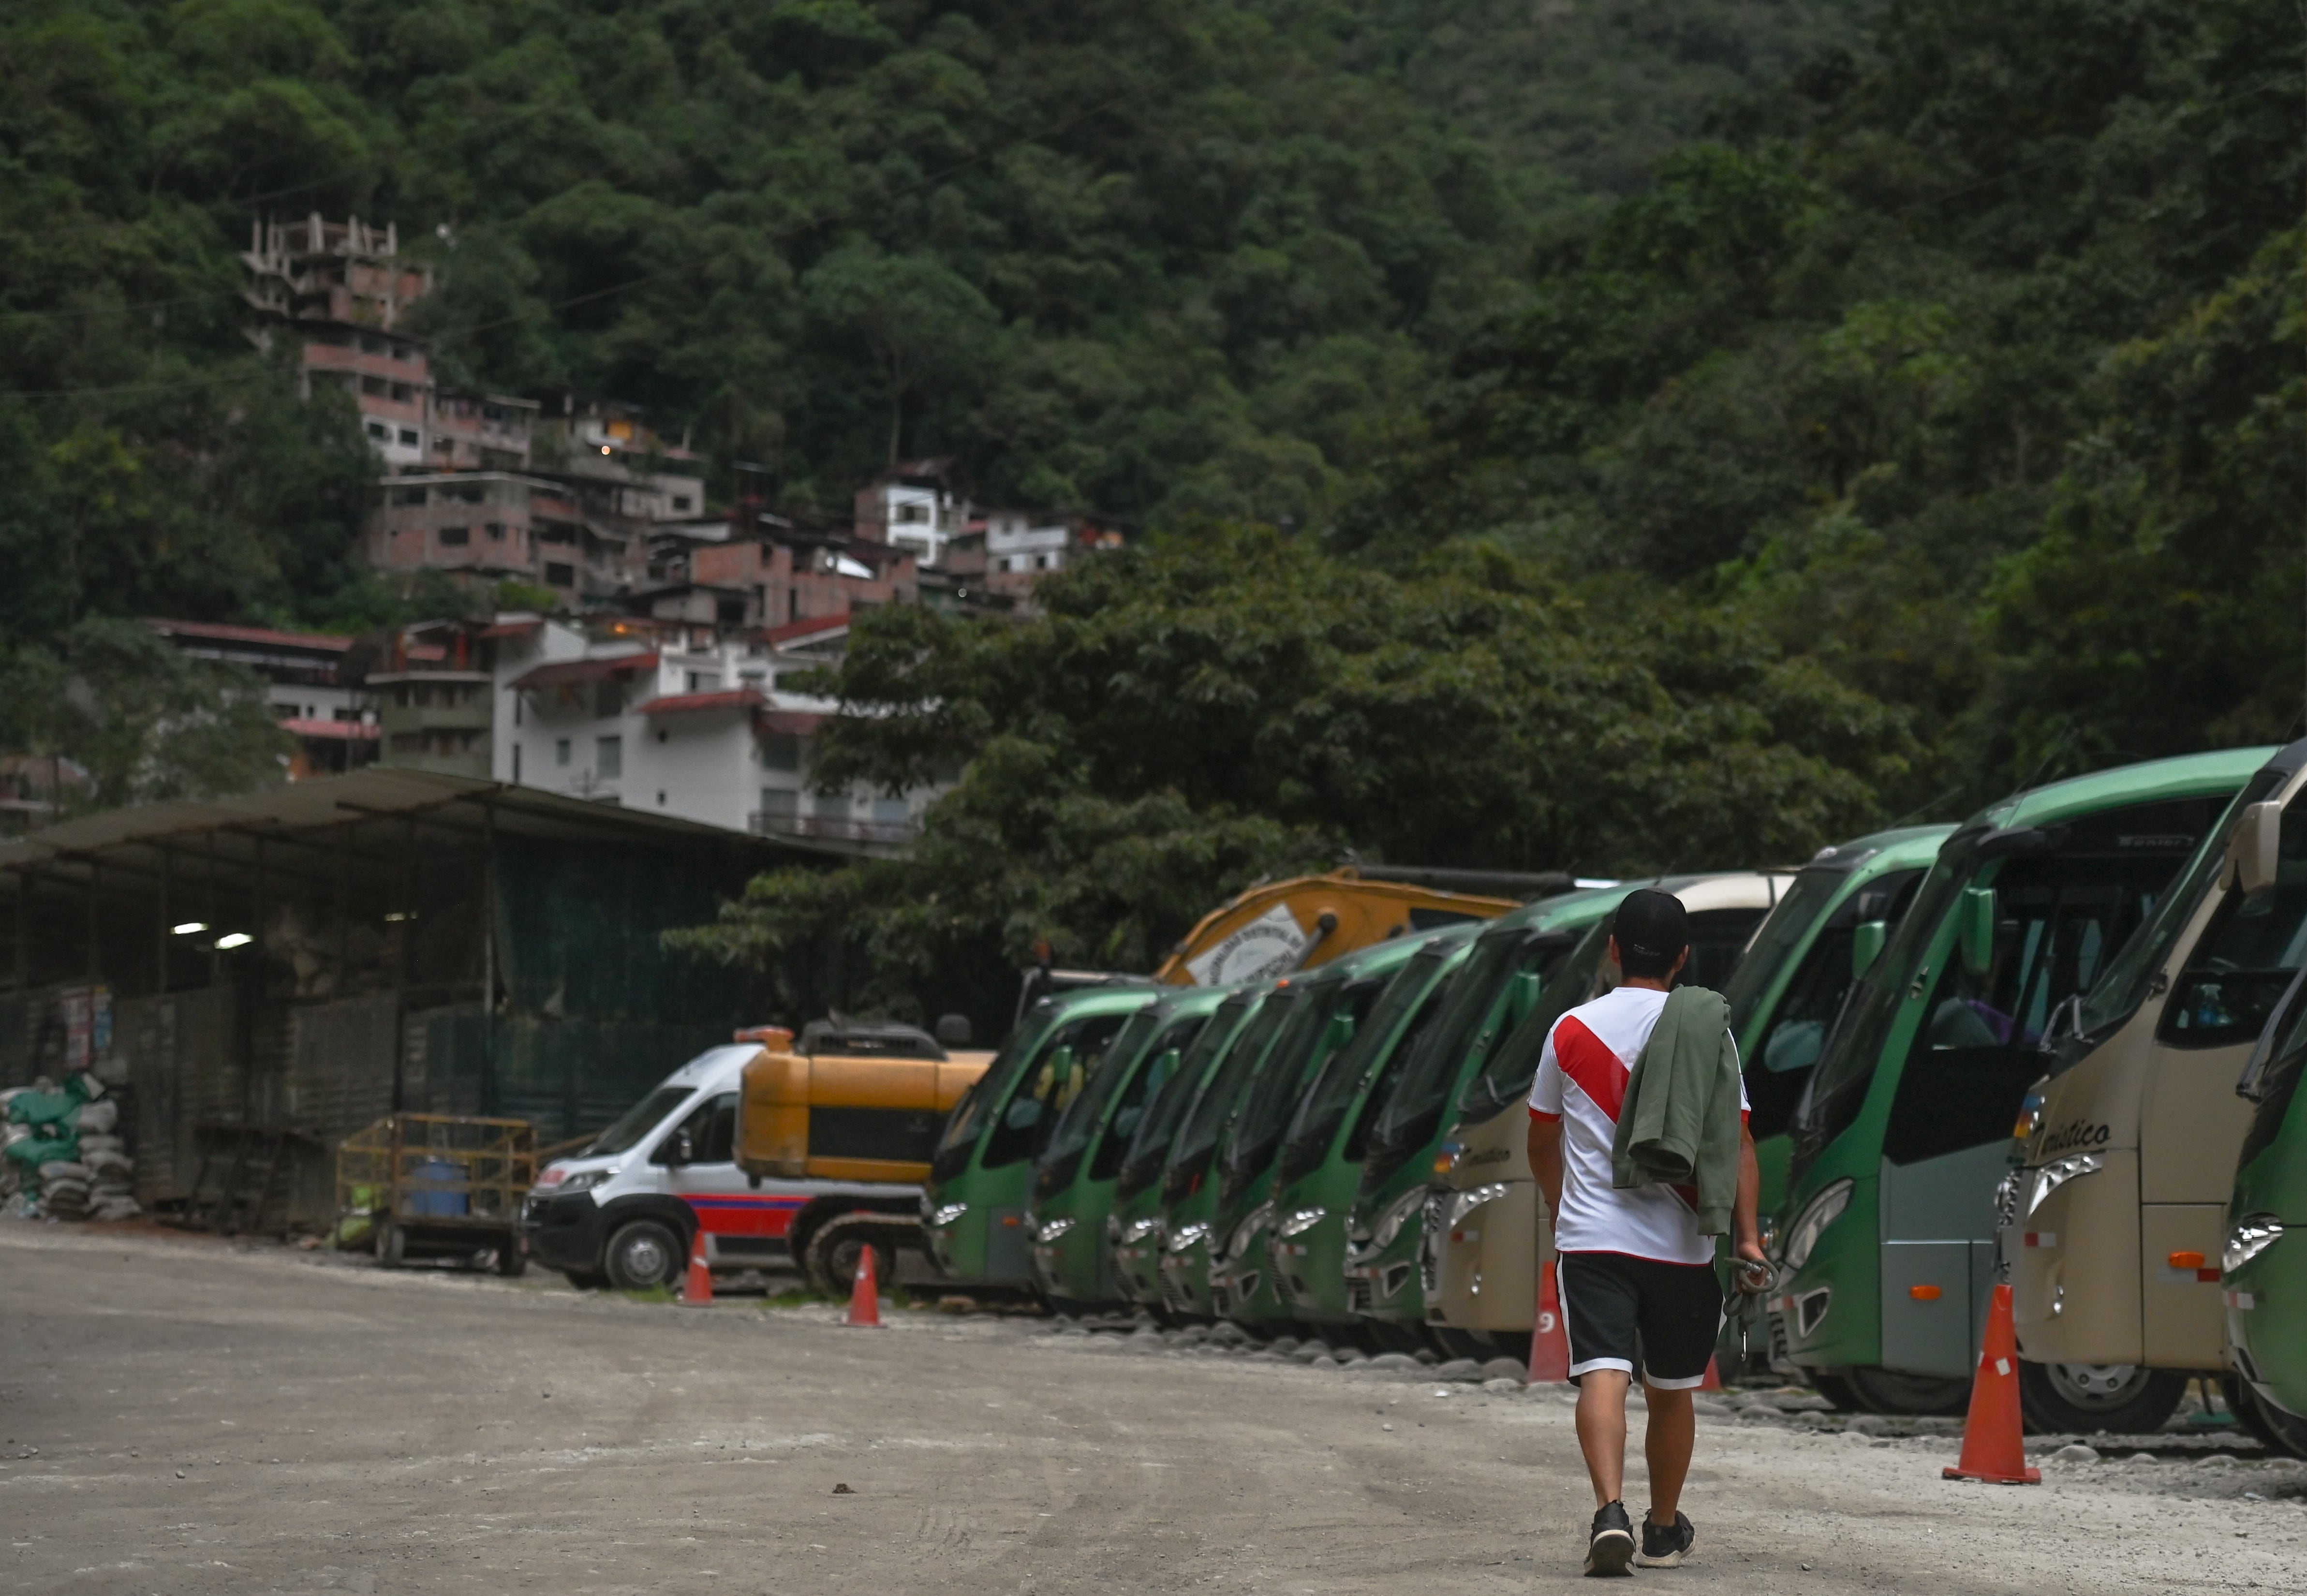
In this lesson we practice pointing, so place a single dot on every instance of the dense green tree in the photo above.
(1236, 703)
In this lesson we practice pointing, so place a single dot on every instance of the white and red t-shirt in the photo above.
(1581, 1080)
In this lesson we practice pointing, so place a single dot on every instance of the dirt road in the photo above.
(186, 1419)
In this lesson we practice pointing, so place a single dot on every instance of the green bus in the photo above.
(1514, 957)
(1326, 1008)
(1886, 1234)
(1134, 1228)
(1319, 1168)
(1075, 1177)
(973, 1204)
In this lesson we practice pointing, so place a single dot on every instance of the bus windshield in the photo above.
(1221, 1092)
(1300, 1052)
(2063, 900)
(1814, 890)
(1473, 1012)
(1323, 1108)
(2117, 994)
(1566, 981)
(1080, 1119)
(1150, 1148)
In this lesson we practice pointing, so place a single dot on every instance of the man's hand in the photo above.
(1745, 1229)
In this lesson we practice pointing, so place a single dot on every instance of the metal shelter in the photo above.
(310, 958)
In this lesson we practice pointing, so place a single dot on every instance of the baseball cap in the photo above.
(1653, 925)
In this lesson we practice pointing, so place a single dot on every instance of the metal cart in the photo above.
(438, 1186)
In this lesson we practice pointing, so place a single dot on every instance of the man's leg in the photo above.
(1602, 1432)
(1667, 1445)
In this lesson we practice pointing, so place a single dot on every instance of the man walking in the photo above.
(1635, 1273)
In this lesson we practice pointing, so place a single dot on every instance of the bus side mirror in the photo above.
(2255, 851)
(1866, 946)
(1975, 928)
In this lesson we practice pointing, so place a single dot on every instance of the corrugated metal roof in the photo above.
(376, 793)
(249, 634)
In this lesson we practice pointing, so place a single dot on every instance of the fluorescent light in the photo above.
(189, 927)
(235, 939)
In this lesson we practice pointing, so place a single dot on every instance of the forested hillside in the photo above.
(1878, 405)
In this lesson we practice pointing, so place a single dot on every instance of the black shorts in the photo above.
(1627, 1313)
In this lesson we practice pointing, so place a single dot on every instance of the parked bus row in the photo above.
(2058, 1043)
(2010, 1047)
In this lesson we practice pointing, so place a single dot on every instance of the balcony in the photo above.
(834, 828)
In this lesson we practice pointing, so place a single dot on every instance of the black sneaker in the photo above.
(1664, 1548)
(1610, 1544)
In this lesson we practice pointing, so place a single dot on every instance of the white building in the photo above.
(681, 722)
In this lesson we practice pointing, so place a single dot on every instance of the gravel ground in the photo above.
(184, 1417)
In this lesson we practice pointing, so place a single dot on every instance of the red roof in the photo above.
(792, 722)
(510, 628)
(335, 731)
(681, 703)
(811, 628)
(571, 673)
(250, 634)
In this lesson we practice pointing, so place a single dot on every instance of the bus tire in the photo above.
(2275, 1430)
(1888, 1391)
(2124, 1399)
(644, 1254)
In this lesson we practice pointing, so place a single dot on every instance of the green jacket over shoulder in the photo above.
(1679, 1124)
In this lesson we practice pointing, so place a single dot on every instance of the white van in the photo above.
(625, 1209)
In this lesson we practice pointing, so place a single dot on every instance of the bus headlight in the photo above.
(2248, 1239)
(2058, 1172)
(1825, 1209)
(1466, 1202)
(1300, 1222)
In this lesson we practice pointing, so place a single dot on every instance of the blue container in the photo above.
(422, 1203)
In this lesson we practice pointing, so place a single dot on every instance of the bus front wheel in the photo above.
(2122, 1399)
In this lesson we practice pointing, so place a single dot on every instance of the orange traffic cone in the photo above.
(696, 1288)
(1549, 1341)
(1994, 1445)
(865, 1294)
(1713, 1380)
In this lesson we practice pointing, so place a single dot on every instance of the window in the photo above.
(781, 751)
(516, 764)
(1041, 562)
(608, 758)
(704, 682)
(408, 438)
(780, 803)
(379, 432)
(608, 699)
(496, 531)
(681, 502)
(376, 386)
(560, 576)
(912, 512)
(561, 750)
(403, 495)
(829, 806)
(890, 811)
(405, 395)
(456, 537)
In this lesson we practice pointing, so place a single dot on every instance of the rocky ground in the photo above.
(181, 1416)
